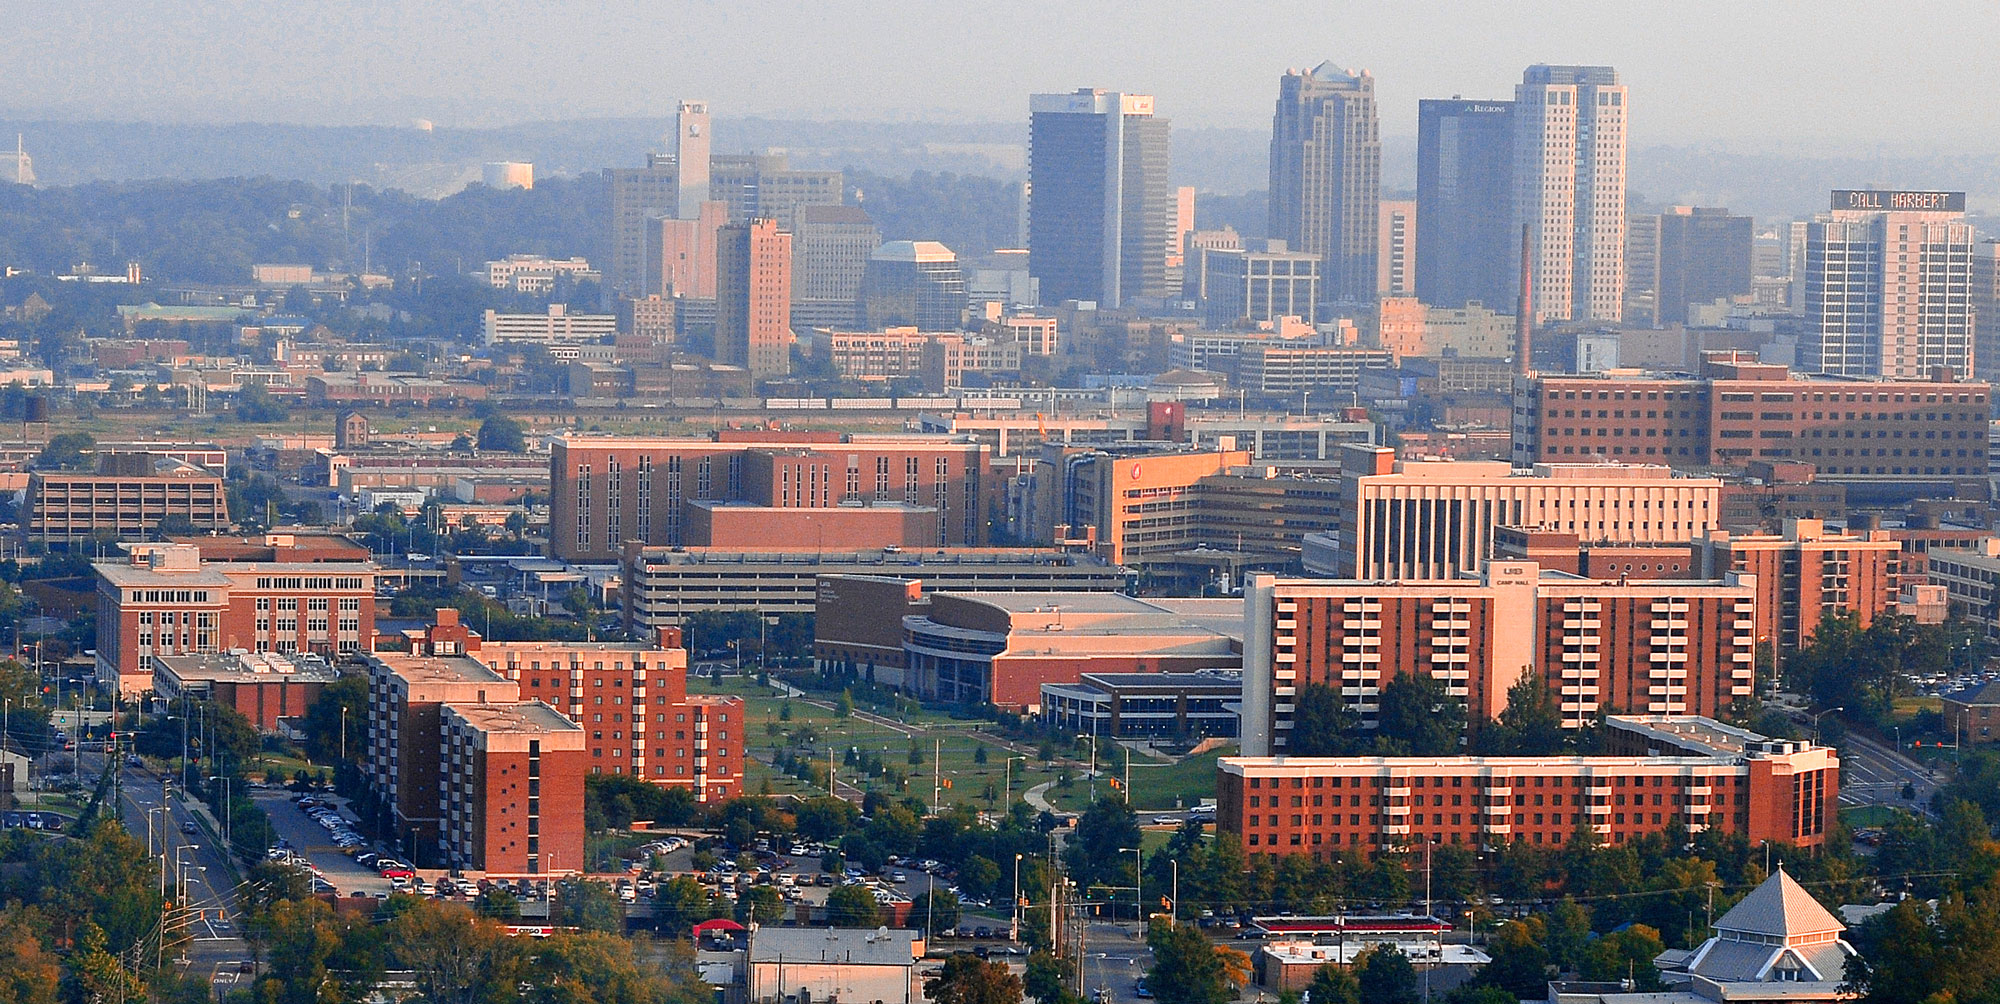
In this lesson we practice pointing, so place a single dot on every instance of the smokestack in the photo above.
(1524, 314)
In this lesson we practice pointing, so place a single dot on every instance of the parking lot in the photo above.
(307, 837)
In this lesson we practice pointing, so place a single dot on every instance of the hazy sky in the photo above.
(1830, 75)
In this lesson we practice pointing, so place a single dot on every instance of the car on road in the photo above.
(1140, 989)
(189, 827)
(1165, 821)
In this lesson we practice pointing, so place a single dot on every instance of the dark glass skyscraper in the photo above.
(1467, 248)
(1100, 209)
(912, 283)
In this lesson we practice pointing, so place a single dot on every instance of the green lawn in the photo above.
(1859, 816)
(950, 740)
(1155, 786)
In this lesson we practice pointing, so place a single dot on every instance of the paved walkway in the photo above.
(1036, 796)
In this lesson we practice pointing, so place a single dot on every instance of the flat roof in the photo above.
(246, 667)
(847, 946)
(1692, 730)
(527, 717)
(436, 668)
(120, 573)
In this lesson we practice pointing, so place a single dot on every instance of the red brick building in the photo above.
(512, 801)
(1738, 410)
(607, 490)
(629, 698)
(1806, 572)
(1661, 771)
(406, 762)
(264, 687)
(166, 600)
(1651, 646)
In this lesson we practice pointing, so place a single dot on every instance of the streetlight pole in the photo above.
(1817, 717)
(1138, 884)
(179, 892)
(1014, 928)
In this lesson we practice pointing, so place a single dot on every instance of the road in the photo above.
(216, 948)
(1873, 774)
(1113, 959)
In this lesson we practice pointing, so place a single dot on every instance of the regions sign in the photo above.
(1868, 200)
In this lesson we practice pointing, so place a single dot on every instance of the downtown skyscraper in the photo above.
(1888, 286)
(1101, 212)
(1569, 189)
(1467, 240)
(1326, 176)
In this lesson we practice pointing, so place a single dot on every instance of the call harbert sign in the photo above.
(1869, 200)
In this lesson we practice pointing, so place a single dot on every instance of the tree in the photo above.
(1629, 952)
(679, 904)
(1418, 717)
(602, 969)
(1386, 976)
(497, 903)
(968, 979)
(1322, 725)
(587, 906)
(501, 434)
(935, 910)
(255, 404)
(979, 875)
(761, 904)
(852, 906)
(1190, 969)
(1520, 963)
(1530, 724)
(29, 974)
(1099, 853)
(96, 976)
(66, 451)
(453, 956)
(1334, 984)
(825, 817)
(1047, 978)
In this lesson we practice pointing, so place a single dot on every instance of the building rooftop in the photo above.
(882, 557)
(527, 717)
(1693, 732)
(852, 946)
(245, 667)
(1987, 693)
(436, 668)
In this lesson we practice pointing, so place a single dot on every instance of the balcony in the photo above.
(1396, 829)
(1499, 829)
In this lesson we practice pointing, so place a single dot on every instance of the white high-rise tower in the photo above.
(17, 167)
(1569, 188)
(691, 155)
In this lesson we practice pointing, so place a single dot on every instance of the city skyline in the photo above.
(448, 62)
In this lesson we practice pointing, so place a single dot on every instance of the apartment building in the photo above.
(1660, 772)
(510, 796)
(1659, 646)
(1807, 571)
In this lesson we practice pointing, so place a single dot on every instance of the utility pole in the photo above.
(937, 776)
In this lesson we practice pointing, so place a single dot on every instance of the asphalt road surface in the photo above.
(216, 946)
(1873, 774)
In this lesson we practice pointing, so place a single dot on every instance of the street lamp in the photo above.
(1007, 804)
(1014, 928)
(1138, 884)
(178, 865)
(1817, 717)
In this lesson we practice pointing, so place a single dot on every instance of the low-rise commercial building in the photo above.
(1146, 705)
(1971, 578)
(1662, 646)
(1409, 520)
(556, 327)
(1664, 772)
(164, 600)
(833, 964)
(265, 687)
(1888, 434)
(130, 498)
